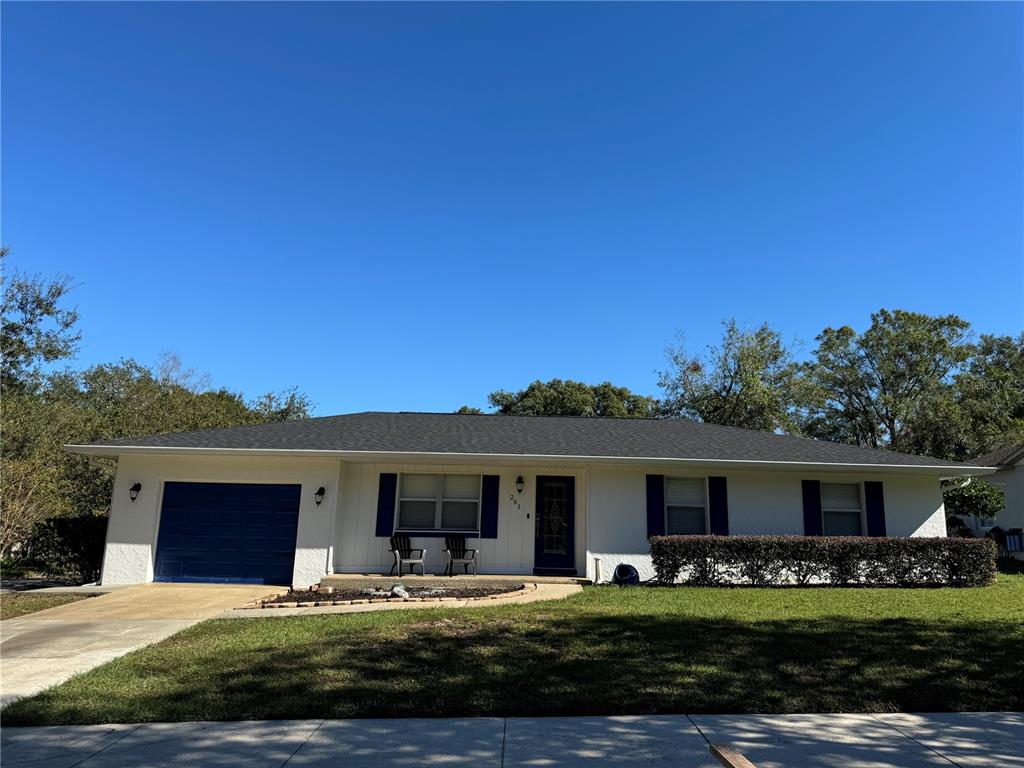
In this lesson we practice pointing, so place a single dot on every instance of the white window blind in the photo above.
(840, 497)
(685, 521)
(439, 502)
(684, 506)
(419, 486)
(840, 509)
(462, 487)
(684, 491)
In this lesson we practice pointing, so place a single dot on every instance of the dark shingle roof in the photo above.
(1002, 456)
(526, 435)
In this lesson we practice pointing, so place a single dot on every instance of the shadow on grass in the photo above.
(506, 665)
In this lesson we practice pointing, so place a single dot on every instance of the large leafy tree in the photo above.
(36, 327)
(572, 398)
(880, 388)
(989, 397)
(750, 380)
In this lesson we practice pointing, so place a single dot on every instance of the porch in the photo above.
(366, 580)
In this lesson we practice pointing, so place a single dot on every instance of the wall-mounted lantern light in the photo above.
(133, 492)
(319, 495)
(520, 484)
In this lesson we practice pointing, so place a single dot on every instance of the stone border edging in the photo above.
(260, 604)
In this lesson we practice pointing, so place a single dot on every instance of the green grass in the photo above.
(605, 651)
(13, 604)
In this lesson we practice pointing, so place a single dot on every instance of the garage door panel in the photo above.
(227, 532)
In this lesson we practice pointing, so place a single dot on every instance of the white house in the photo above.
(293, 501)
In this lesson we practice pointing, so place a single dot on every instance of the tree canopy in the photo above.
(876, 388)
(964, 499)
(573, 398)
(750, 381)
(35, 328)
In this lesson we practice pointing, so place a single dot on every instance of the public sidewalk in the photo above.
(769, 741)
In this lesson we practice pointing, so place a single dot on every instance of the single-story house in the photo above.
(1009, 475)
(290, 502)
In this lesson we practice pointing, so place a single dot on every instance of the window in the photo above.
(684, 506)
(840, 509)
(439, 502)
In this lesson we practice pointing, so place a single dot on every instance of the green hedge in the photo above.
(833, 560)
(70, 547)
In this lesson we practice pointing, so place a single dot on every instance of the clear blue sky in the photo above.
(408, 206)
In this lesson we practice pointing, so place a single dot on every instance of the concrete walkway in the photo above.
(769, 741)
(45, 648)
(542, 592)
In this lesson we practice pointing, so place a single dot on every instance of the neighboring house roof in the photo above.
(1006, 456)
(467, 435)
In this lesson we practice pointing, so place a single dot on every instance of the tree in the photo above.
(989, 396)
(573, 398)
(878, 388)
(35, 329)
(26, 487)
(973, 497)
(469, 409)
(749, 381)
(288, 405)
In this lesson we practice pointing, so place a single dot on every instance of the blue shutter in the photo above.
(812, 508)
(655, 505)
(718, 506)
(489, 507)
(874, 504)
(386, 504)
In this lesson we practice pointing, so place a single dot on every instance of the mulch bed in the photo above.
(324, 597)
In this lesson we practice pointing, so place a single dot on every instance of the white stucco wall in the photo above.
(357, 549)
(768, 502)
(132, 531)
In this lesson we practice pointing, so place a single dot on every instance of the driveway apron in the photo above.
(46, 648)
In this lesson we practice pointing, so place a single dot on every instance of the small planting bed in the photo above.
(308, 598)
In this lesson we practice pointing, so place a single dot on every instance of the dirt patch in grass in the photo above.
(456, 592)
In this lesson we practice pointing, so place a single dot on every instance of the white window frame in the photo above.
(860, 497)
(707, 509)
(438, 500)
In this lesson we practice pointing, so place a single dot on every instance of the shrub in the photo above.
(70, 547)
(834, 560)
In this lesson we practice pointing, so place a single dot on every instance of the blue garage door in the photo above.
(227, 532)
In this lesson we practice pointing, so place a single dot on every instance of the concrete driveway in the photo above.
(769, 741)
(46, 648)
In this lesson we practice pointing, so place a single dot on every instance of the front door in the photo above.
(554, 530)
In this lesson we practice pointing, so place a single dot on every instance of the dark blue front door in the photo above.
(555, 525)
(227, 532)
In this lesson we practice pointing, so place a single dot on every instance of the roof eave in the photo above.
(941, 470)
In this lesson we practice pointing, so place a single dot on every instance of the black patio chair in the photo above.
(458, 554)
(402, 549)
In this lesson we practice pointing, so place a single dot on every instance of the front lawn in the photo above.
(13, 604)
(608, 650)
